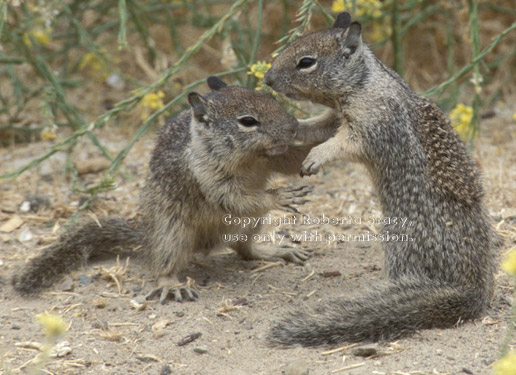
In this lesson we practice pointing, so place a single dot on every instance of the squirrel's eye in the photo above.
(305, 63)
(248, 121)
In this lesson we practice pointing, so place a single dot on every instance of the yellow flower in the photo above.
(151, 102)
(380, 31)
(259, 69)
(514, 116)
(506, 365)
(338, 6)
(53, 325)
(509, 264)
(49, 133)
(371, 8)
(461, 117)
(96, 66)
(39, 34)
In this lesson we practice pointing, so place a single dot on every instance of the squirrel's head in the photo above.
(233, 118)
(320, 66)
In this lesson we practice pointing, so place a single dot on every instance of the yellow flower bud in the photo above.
(506, 365)
(53, 325)
(509, 263)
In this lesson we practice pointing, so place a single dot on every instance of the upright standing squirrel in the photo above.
(422, 172)
(210, 161)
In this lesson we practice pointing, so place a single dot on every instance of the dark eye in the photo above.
(248, 121)
(305, 63)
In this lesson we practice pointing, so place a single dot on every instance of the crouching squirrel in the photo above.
(210, 161)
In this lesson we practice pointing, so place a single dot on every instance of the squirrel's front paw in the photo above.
(296, 256)
(289, 196)
(309, 167)
(170, 286)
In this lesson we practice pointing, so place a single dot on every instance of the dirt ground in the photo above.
(108, 333)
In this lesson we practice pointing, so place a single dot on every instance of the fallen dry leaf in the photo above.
(13, 223)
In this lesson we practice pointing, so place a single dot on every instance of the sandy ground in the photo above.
(238, 299)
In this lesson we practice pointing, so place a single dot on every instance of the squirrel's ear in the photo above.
(215, 83)
(199, 106)
(342, 21)
(353, 39)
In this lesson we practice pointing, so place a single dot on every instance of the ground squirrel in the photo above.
(421, 170)
(212, 160)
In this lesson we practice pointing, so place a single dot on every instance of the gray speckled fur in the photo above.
(203, 167)
(421, 171)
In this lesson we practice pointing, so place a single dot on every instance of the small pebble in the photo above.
(25, 235)
(297, 367)
(47, 177)
(101, 324)
(140, 298)
(467, 371)
(25, 207)
(99, 303)
(66, 285)
(84, 280)
(36, 201)
(137, 289)
(138, 306)
(188, 339)
(15, 327)
(200, 350)
(365, 352)
(145, 359)
(240, 302)
(179, 314)
(331, 272)
(115, 81)
(165, 370)
(61, 349)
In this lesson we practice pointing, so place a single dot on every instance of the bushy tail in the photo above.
(73, 250)
(388, 312)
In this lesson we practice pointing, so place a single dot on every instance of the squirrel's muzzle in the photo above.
(269, 79)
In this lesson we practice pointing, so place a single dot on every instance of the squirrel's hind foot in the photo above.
(295, 256)
(288, 254)
(170, 286)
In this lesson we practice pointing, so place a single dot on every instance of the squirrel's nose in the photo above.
(268, 78)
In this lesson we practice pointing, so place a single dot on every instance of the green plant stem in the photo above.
(122, 33)
(56, 148)
(3, 15)
(396, 38)
(256, 41)
(303, 17)
(12, 60)
(439, 89)
(450, 63)
(475, 43)
(419, 17)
